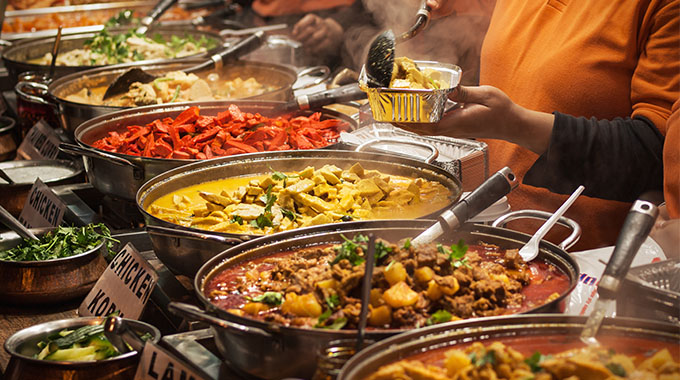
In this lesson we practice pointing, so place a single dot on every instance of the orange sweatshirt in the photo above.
(591, 58)
(287, 7)
(671, 163)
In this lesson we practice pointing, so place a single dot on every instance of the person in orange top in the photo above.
(581, 95)
(671, 163)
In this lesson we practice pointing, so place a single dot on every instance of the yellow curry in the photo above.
(278, 201)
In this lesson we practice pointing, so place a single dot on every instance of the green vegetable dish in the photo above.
(87, 343)
(62, 242)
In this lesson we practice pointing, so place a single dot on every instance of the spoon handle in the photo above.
(16, 226)
(560, 211)
(366, 290)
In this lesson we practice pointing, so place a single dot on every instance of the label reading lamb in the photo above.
(157, 363)
(125, 286)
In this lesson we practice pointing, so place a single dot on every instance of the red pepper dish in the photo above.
(192, 136)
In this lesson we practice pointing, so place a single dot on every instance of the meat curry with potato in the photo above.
(319, 287)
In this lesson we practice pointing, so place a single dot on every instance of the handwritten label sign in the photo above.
(41, 143)
(43, 208)
(125, 286)
(157, 363)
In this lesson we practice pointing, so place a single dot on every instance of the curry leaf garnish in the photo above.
(534, 361)
(348, 250)
(488, 358)
(617, 369)
(333, 301)
(289, 214)
(456, 253)
(62, 242)
(270, 298)
(381, 250)
(265, 219)
(439, 316)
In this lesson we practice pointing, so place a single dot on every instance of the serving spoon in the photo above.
(241, 48)
(530, 250)
(380, 58)
(13, 224)
(366, 291)
(153, 15)
(636, 227)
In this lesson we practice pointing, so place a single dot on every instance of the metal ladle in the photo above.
(13, 224)
(380, 59)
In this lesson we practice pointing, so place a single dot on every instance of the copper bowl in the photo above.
(22, 345)
(49, 281)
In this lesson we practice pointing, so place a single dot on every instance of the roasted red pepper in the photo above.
(192, 136)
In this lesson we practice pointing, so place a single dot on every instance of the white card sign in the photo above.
(157, 363)
(40, 143)
(43, 208)
(125, 286)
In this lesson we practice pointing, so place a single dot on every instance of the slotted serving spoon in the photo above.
(122, 83)
(380, 59)
(530, 250)
(636, 227)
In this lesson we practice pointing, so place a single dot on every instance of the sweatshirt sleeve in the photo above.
(615, 159)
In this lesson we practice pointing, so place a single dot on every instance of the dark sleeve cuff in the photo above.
(614, 159)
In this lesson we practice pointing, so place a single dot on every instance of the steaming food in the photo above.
(407, 74)
(500, 361)
(319, 286)
(270, 203)
(107, 49)
(175, 86)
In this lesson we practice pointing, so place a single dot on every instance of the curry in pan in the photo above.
(319, 287)
(269, 203)
(549, 357)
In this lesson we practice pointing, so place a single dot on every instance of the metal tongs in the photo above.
(380, 59)
(636, 227)
(488, 193)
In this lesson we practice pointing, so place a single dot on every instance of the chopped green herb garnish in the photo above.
(346, 218)
(333, 301)
(488, 358)
(456, 253)
(534, 361)
(439, 316)
(348, 250)
(236, 219)
(265, 219)
(616, 369)
(407, 244)
(270, 298)
(289, 214)
(62, 242)
(176, 94)
(381, 250)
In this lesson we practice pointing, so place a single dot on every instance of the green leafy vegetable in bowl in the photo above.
(62, 242)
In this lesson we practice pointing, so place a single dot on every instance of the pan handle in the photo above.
(19, 88)
(77, 150)
(323, 72)
(185, 310)
(171, 232)
(434, 152)
(543, 215)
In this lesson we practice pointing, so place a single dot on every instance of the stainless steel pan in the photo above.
(72, 114)
(17, 56)
(121, 175)
(272, 351)
(486, 330)
(184, 249)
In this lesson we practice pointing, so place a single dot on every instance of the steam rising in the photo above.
(455, 39)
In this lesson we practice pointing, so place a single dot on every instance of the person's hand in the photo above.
(440, 8)
(318, 35)
(487, 112)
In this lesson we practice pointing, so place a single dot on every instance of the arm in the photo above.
(614, 159)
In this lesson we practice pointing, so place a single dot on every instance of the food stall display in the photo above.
(224, 188)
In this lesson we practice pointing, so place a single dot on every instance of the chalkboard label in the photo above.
(43, 208)
(125, 286)
(157, 363)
